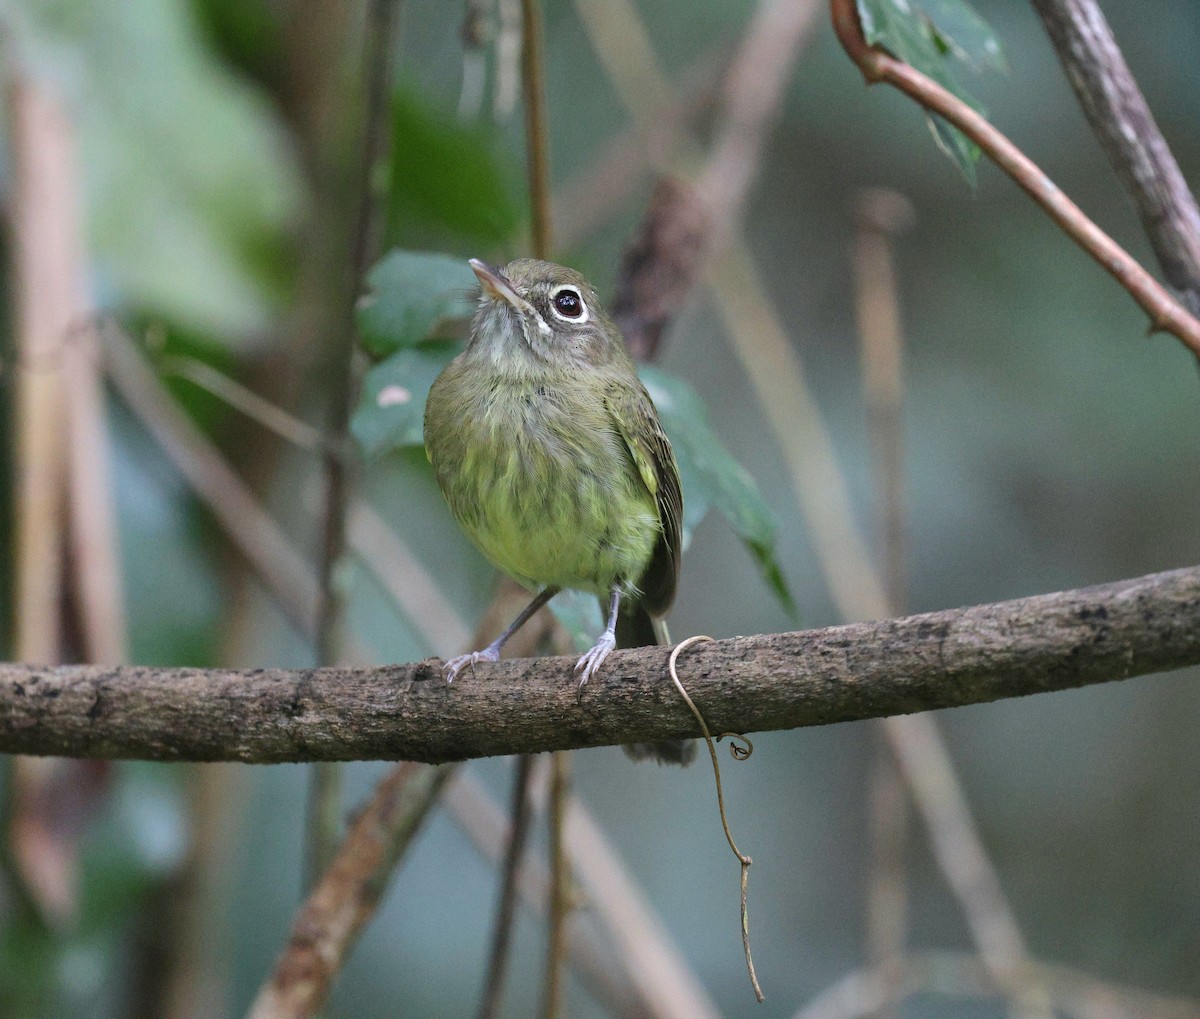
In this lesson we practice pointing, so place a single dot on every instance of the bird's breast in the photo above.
(538, 477)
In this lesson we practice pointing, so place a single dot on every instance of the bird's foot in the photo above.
(590, 663)
(455, 665)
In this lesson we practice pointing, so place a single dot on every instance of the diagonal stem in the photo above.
(1164, 311)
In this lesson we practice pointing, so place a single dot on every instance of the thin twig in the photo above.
(249, 527)
(537, 156)
(1164, 311)
(916, 741)
(341, 382)
(407, 582)
(508, 58)
(537, 144)
(493, 985)
(653, 962)
(596, 191)
(880, 215)
(751, 98)
(245, 401)
(554, 989)
(1121, 119)
(954, 839)
(484, 823)
(95, 560)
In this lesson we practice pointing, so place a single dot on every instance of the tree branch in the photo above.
(1122, 120)
(1164, 311)
(776, 681)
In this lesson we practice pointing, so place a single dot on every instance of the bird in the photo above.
(551, 457)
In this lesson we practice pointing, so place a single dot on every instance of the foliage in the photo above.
(189, 175)
(932, 36)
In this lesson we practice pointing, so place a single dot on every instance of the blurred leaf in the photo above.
(52, 802)
(247, 35)
(187, 169)
(711, 477)
(447, 176)
(407, 293)
(959, 30)
(391, 412)
(929, 34)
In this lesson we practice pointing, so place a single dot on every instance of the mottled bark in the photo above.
(774, 681)
(1121, 119)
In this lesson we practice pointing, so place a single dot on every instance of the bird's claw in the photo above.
(455, 665)
(590, 663)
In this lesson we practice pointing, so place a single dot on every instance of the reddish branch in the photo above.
(1165, 312)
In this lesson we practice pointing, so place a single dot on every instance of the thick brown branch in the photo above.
(776, 681)
(1122, 120)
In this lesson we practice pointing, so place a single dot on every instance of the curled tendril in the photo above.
(740, 753)
(740, 747)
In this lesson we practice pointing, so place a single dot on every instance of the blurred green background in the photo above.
(1048, 444)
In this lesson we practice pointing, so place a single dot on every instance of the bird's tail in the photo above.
(637, 628)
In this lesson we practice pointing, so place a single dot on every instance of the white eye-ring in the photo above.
(567, 304)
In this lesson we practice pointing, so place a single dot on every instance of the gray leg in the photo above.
(590, 663)
(491, 653)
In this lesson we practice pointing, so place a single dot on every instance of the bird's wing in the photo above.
(636, 420)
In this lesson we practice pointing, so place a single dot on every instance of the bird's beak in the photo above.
(497, 287)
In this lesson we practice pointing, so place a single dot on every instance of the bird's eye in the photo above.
(568, 304)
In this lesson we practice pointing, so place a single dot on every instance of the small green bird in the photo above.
(551, 457)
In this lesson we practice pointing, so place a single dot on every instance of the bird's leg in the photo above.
(590, 663)
(491, 653)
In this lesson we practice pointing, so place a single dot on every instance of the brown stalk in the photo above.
(934, 660)
(554, 988)
(880, 215)
(324, 822)
(877, 65)
(252, 530)
(484, 823)
(64, 527)
(345, 897)
(48, 306)
(916, 741)
(537, 137)
(519, 812)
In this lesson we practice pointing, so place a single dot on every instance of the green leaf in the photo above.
(964, 33)
(449, 177)
(408, 292)
(391, 411)
(932, 35)
(712, 478)
(188, 174)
